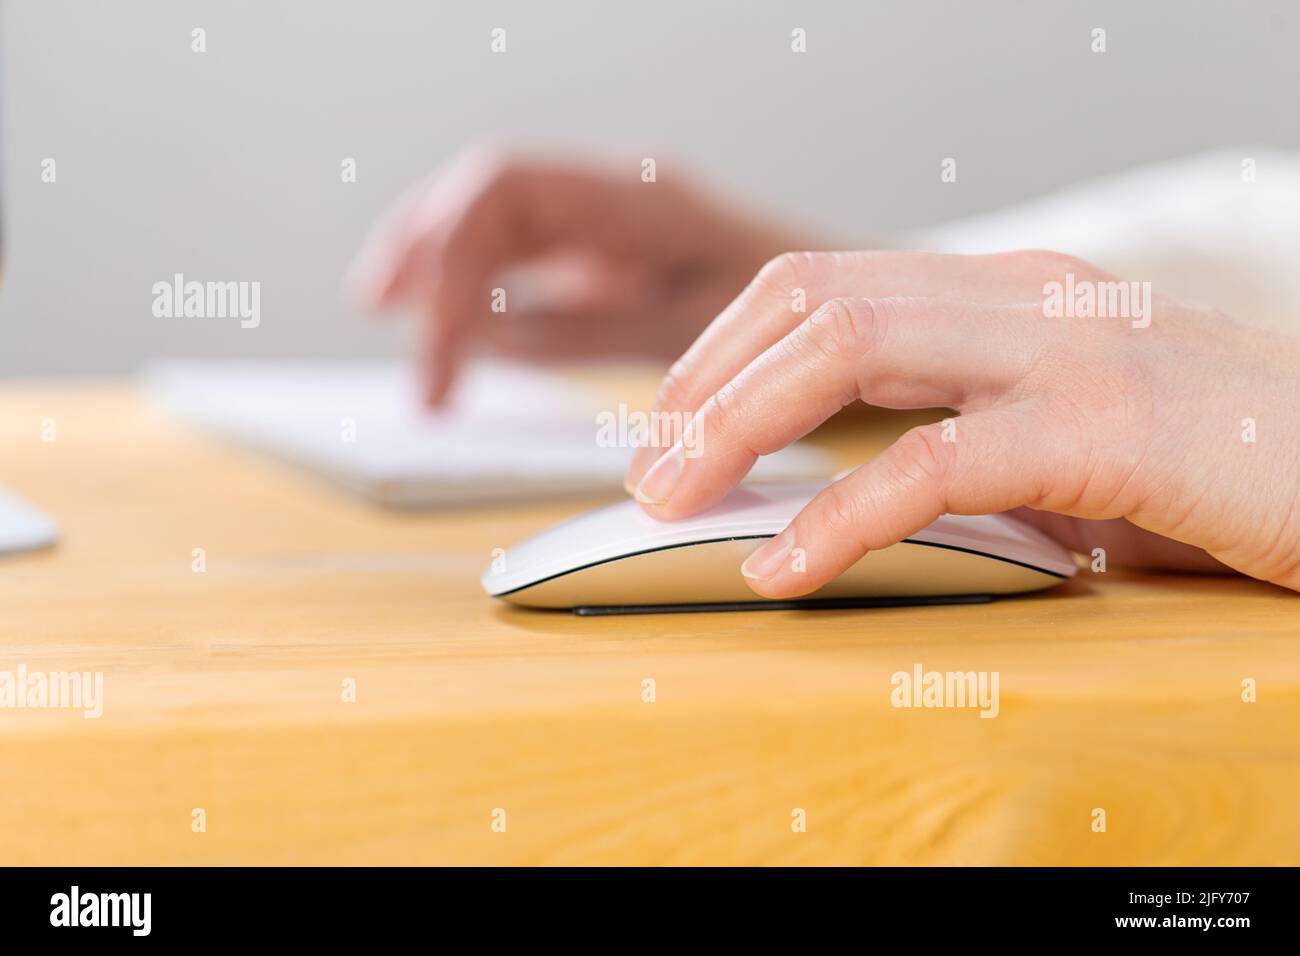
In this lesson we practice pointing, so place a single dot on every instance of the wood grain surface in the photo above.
(223, 691)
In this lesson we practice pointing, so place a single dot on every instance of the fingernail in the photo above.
(768, 559)
(641, 460)
(659, 482)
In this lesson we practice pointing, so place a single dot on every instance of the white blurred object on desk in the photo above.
(508, 432)
(22, 527)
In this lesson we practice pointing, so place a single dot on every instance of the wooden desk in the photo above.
(223, 691)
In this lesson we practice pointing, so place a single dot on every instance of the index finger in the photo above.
(446, 240)
(897, 353)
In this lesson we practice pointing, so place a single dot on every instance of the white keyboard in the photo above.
(509, 432)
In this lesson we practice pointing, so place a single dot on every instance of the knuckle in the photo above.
(846, 328)
(453, 205)
(726, 422)
(723, 410)
(787, 270)
(922, 457)
(1051, 261)
(674, 389)
(491, 164)
(842, 514)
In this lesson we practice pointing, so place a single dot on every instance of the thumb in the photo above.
(980, 463)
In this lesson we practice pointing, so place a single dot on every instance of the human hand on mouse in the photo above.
(617, 266)
(1186, 423)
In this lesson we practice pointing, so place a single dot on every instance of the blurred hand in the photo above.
(1082, 418)
(612, 265)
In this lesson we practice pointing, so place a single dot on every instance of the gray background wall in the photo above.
(225, 165)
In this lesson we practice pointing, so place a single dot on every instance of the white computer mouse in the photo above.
(618, 559)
